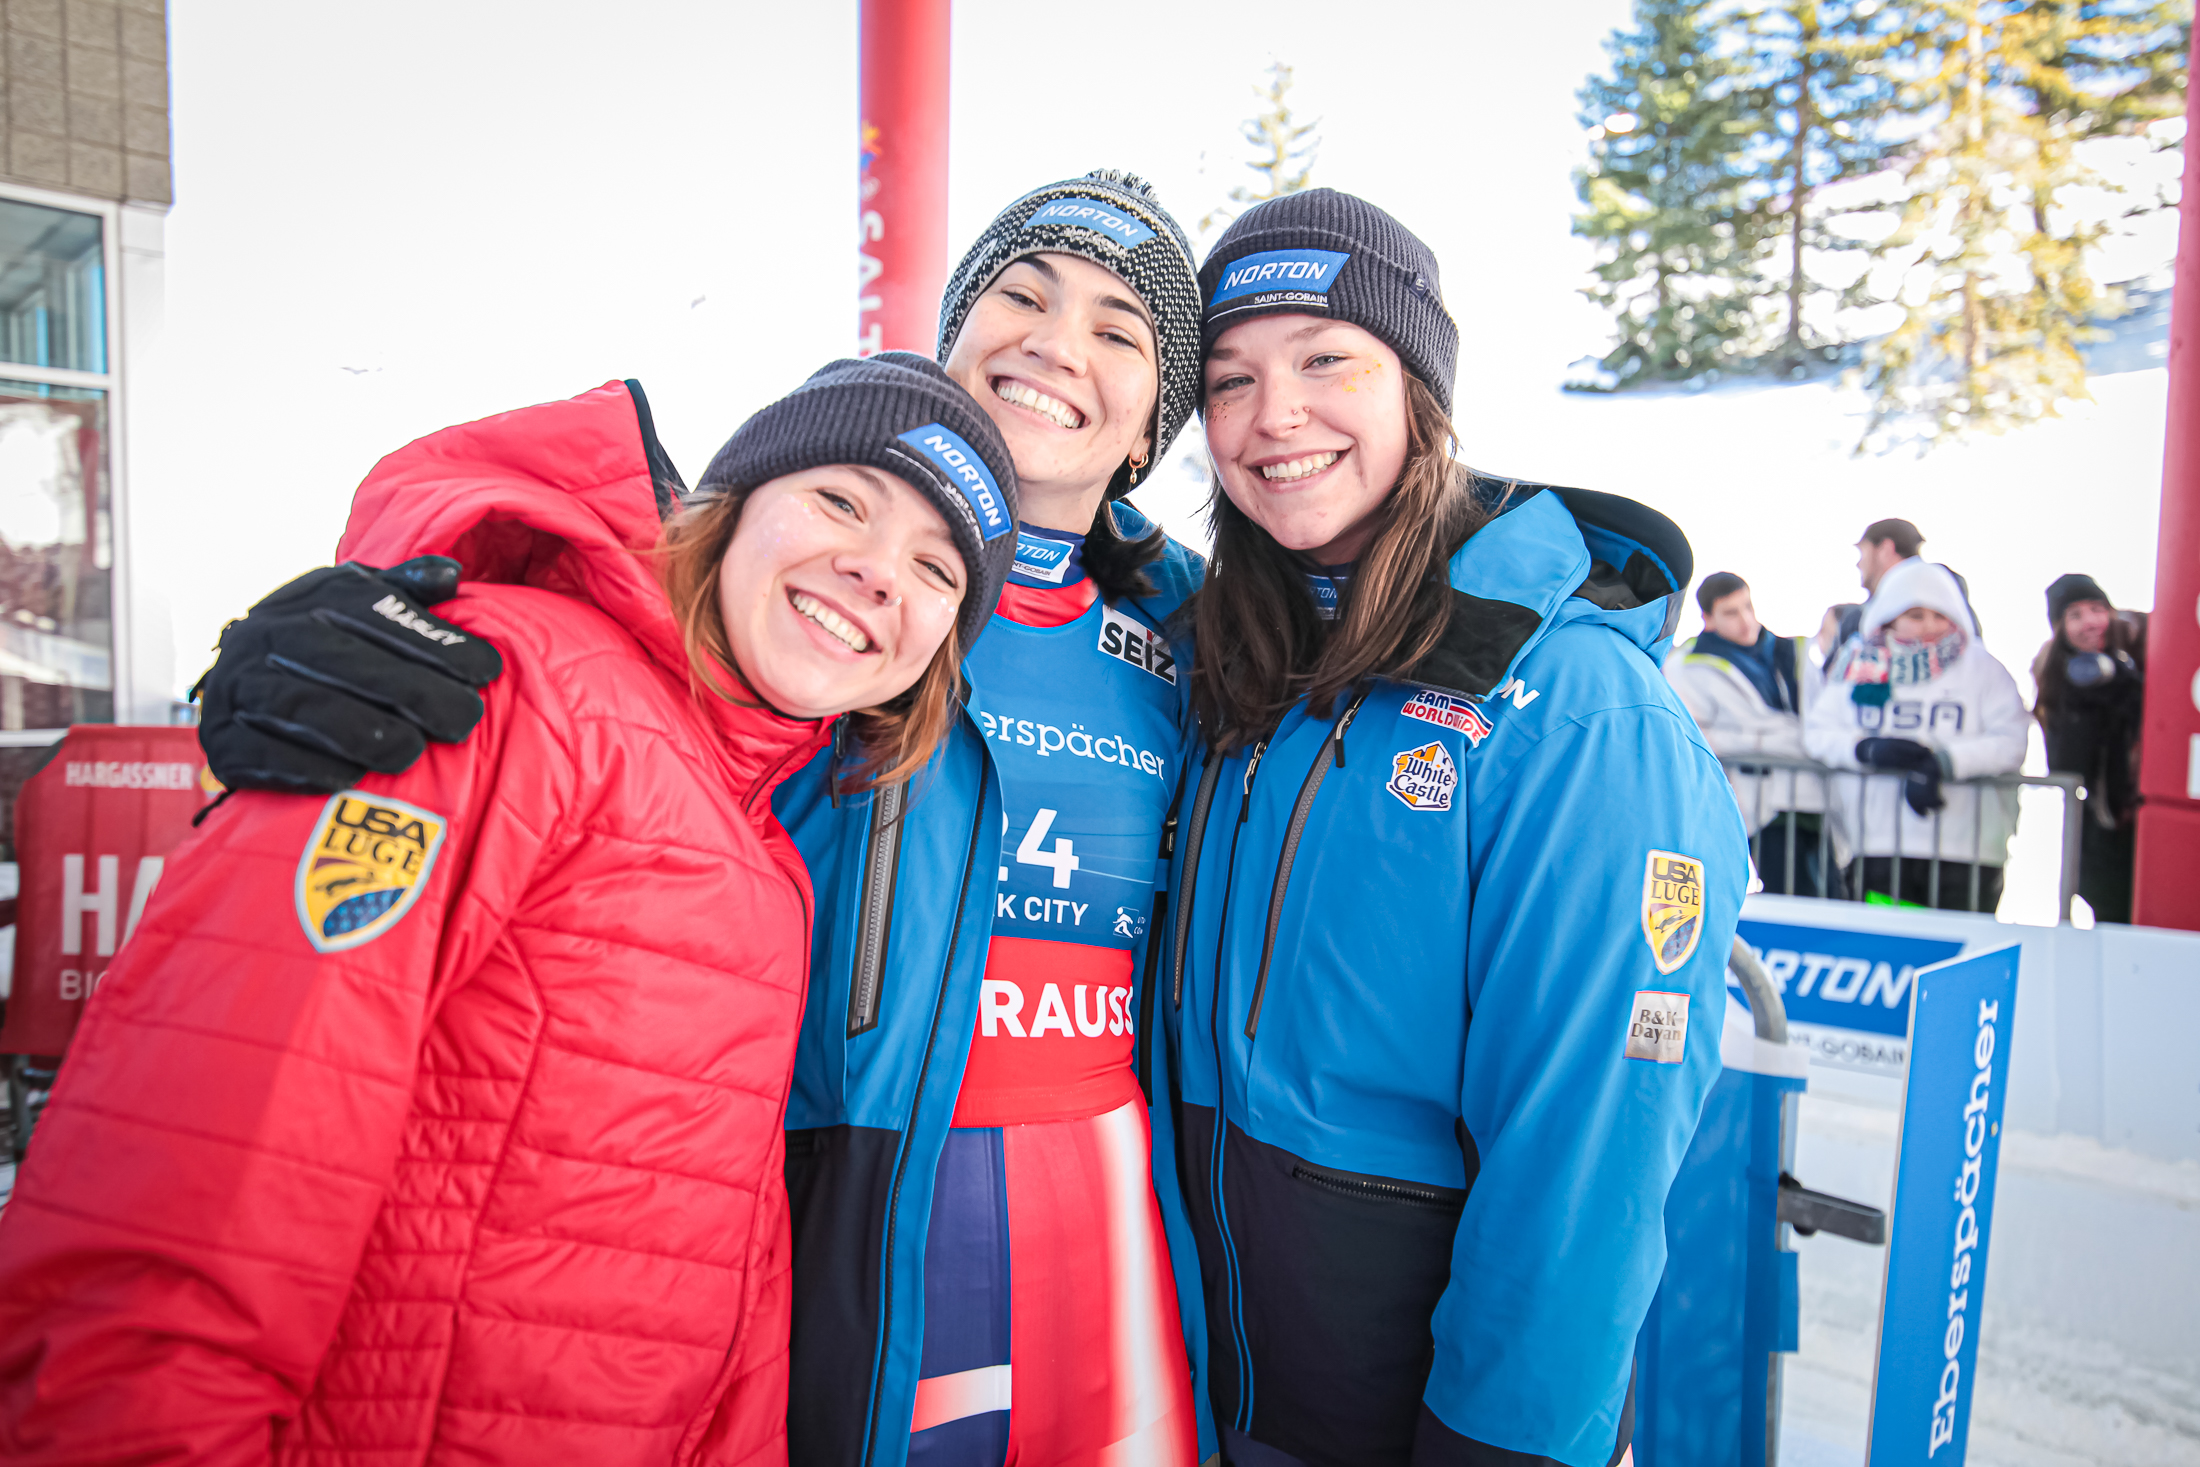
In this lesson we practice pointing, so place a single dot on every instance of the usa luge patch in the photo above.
(365, 866)
(1672, 907)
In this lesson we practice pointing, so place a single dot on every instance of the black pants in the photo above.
(1811, 876)
(2104, 867)
(1876, 874)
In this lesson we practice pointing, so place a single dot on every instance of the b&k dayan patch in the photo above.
(367, 862)
(1672, 907)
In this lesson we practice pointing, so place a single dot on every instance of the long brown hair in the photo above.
(1262, 648)
(897, 737)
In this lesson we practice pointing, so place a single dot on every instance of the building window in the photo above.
(57, 664)
(53, 288)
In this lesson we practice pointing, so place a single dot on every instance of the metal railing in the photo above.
(1769, 789)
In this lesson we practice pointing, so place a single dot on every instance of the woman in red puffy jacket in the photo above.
(439, 1120)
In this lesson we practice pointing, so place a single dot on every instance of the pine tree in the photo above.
(1284, 149)
(1666, 191)
(1821, 100)
(1998, 298)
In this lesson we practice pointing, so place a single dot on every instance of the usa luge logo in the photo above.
(364, 868)
(1098, 217)
(1297, 276)
(959, 463)
(1445, 711)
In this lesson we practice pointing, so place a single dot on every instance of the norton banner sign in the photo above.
(93, 829)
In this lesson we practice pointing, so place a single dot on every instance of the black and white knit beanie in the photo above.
(899, 412)
(1112, 219)
(1322, 253)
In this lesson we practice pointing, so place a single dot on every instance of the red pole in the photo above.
(901, 259)
(2167, 892)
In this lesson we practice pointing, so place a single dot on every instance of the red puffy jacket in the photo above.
(440, 1121)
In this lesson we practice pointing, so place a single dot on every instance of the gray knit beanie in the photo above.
(1112, 219)
(1322, 253)
(899, 412)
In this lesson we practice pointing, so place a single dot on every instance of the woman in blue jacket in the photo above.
(981, 1273)
(1458, 880)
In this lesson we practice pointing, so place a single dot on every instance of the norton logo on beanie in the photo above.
(1299, 277)
(960, 465)
(1093, 215)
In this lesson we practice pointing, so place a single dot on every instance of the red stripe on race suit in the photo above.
(1048, 606)
(1053, 1039)
(1101, 1378)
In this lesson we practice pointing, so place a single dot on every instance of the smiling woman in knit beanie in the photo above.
(1429, 996)
(1024, 1307)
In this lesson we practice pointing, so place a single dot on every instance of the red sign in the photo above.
(901, 172)
(92, 831)
(2167, 882)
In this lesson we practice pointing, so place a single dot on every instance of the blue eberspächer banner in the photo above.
(1958, 1087)
(1847, 993)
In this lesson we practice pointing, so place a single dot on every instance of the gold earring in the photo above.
(1138, 466)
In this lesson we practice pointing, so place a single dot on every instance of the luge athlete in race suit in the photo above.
(980, 1271)
(978, 1247)
(1459, 880)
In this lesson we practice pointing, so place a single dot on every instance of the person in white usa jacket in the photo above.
(1913, 700)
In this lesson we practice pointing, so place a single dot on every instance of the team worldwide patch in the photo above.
(1672, 907)
(1445, 711)
(368, 860)
(1423, 778)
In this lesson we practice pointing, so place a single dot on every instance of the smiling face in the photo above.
(1307, 426)
(1062, 356)
(2085, 625)
(837, 588)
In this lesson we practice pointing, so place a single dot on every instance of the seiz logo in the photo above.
(1445, 711)
(1134, 642)
(1093, 215)
(960, 465)
(1298, 273)
(1041, 559)
(1001, 1006)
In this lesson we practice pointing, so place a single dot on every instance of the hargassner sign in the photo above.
(1952, 1111)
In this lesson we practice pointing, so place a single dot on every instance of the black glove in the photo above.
(1918, 765)
(340, 672)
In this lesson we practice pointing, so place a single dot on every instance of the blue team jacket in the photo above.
(1444, 993)
(906, 887)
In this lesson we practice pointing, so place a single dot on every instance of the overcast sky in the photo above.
(395, 216)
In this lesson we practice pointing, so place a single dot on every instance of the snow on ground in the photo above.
(2089, 1351)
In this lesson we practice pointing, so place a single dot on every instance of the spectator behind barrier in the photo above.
(1884, 545)
(1830, 636)
(2091, 676)
(1746, 689)
(1913, 700)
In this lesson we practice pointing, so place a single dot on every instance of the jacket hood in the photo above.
(1911, 584)
(567, 497)
(1626, 564)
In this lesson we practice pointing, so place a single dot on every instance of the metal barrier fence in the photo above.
(1821, 829)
